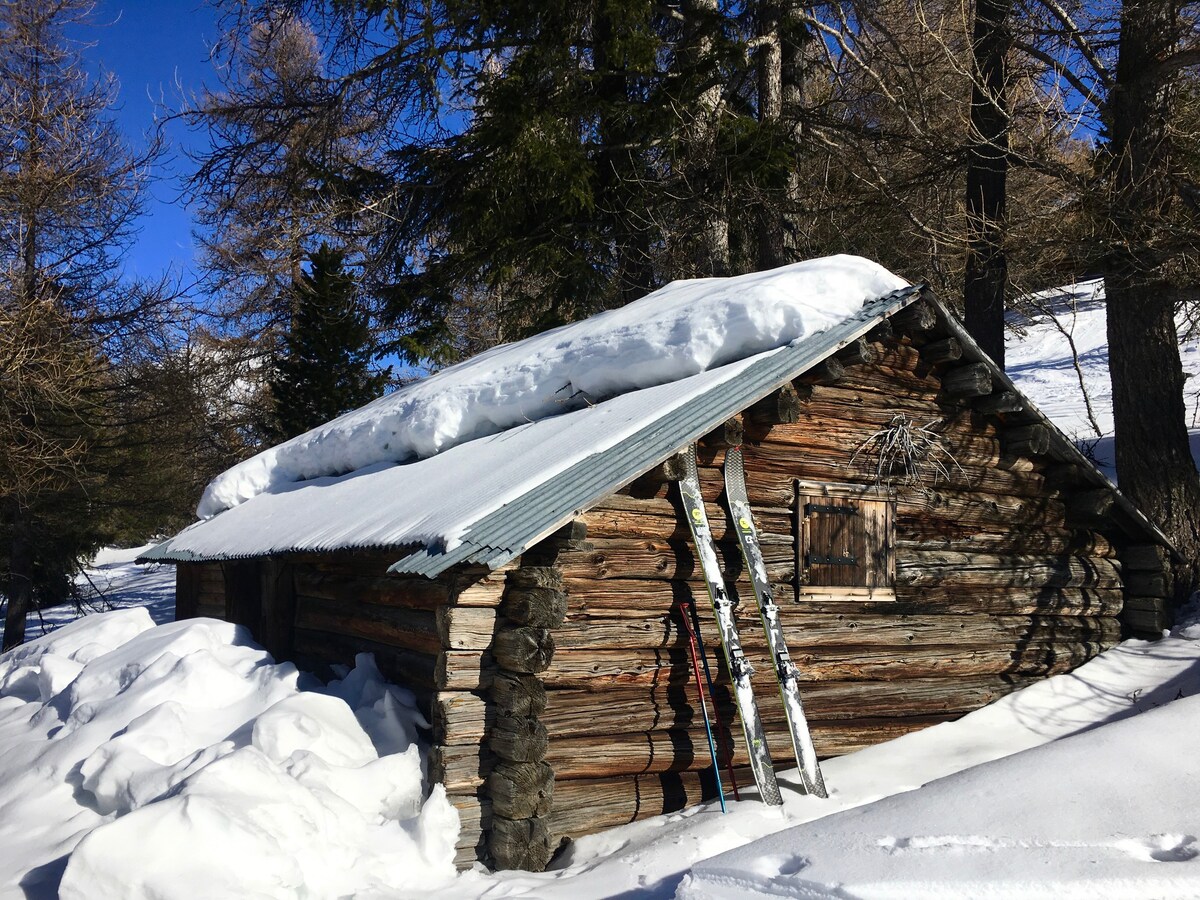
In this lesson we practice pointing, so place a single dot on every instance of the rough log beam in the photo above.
(407, 629)
(584, 806)
(1000, 402)
(859, 352)
(598, 670)
(829, 371)
(944, 351)
(972, 380)
(681, 751)
(1026, 440)
(384, 590)
(915, 319)
(625, 710)
(1090, 507)
(730, 433)
(634, 598)
(829, 630)
(780, 407)
(1145, 557)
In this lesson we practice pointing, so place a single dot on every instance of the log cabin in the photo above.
(933, 540)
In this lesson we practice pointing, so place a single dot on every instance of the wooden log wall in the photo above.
(200, 591)
(1000, 580)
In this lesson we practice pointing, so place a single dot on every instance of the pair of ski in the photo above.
(739, 666)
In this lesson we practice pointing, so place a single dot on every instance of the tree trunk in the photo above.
(1154, 459)
(712, 256)
(987, 172)
(771, 252)
(20, 578)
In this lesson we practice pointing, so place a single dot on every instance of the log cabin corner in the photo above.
(934, 541)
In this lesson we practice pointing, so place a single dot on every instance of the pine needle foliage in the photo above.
(326, 367)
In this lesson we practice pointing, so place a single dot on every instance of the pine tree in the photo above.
(325, 368)
(70, 192)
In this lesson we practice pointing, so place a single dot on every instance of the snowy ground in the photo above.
(143, 761)
(176, 760)
(1051, 353)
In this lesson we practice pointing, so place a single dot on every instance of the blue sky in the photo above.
(148, 45)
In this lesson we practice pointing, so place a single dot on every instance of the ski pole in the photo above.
(694, 630)
(712, 744)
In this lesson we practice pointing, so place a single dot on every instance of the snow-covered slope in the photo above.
(178, 761)
(1084, 817)
(684, 328)
(1072, 385)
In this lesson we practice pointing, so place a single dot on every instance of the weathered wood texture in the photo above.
(188, 578)
(1001, 578)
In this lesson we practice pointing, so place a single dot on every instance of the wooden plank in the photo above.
(381, 590)
(462, 768)
(682, 751)
(927, 568)
(1037, 542)
(805, 628)
(464, 670)
(636, 598)
(478, 590)
(466, 718)
(586, 806)
(315, 649)
(624, 517)
(598, 670)
(401, 627)
(647, 558)
(1145, 557)
(465, 627)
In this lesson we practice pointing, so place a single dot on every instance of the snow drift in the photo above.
(684, 328)
(180, 761)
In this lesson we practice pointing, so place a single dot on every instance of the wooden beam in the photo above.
(999, 402)
(859, 352)
(524, 649)
(915, 319)
(729, 433)
(943, 351)
(1090, 507)
(521, 790)
(1026, 440)
(972, 380)
(781, 407)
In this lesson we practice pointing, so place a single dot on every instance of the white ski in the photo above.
(735, 659)
(785, 669)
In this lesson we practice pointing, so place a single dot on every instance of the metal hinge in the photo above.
(816, 559)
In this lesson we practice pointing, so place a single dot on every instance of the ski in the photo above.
(785, 670)
(735, 659)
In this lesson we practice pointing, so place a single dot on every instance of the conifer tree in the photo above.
(325, 368)
(70, 192)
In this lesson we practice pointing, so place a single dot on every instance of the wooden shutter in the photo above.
(844, 542)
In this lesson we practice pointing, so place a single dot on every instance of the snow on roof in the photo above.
(682, 329)
(432, 502)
